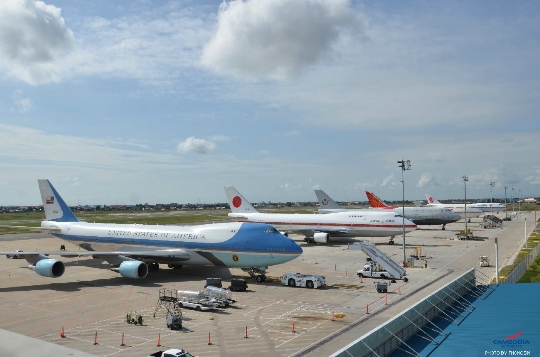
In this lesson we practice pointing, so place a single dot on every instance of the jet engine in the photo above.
(321, 237)
(133, 269)
(51, 268)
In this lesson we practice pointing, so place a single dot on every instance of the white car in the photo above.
(15, 256)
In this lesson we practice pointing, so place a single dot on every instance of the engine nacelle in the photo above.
(285, 234)
(51, 268)
(133, 269)
(321, 237)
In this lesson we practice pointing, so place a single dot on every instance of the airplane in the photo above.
(318, 228)
(458, 208)
(487, 207)
(133, 249)
(418, 215)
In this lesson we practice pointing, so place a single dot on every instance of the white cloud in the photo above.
(275, 38)
(425, 180)
(387, 180)
(32, 35)
(199, 146)
(22, 105)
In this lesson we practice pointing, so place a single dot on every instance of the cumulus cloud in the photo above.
(199, 146)
(424, 181)
(22, 104)
(387, 180)
(32, 35)
(275, 38)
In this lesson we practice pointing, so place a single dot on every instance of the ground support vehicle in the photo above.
(133, 317)
(174, 321)
(484, 261)
(464, 234)
(303, 280)
(222, 297)
(15, 255)
(195, 300)
(382, 286)
(381, 265)
(171, 353)
(213, 282)
(238, 285)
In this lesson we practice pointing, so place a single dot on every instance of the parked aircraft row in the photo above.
(253, 244)
(418, 215)
(483, 207)
(319, 228)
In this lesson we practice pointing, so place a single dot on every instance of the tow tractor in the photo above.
(303, 280)
(381, 265)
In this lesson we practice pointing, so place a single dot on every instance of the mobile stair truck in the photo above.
(381, 264)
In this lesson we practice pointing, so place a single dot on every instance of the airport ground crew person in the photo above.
(425, 263)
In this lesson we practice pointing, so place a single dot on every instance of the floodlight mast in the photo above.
(405, 165)
(492, 184)
(465, 179)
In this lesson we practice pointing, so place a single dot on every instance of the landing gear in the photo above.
(153, 266)
(444, 227)
(256, 273)
(391, 240)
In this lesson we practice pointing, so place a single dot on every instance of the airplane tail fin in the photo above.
(432, 200)
(237, 202)
(325, 202)
(375, 202)
(54, 206)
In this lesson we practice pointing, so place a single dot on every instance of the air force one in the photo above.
(458, 208)
(418, 215)
(318, 228)
(131, 249)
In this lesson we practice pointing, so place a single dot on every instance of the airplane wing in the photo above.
(173, 254)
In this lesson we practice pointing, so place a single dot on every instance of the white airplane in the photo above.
(131, 249)
(458, 208)
(418, 215)
(318, 228)
(487, 207)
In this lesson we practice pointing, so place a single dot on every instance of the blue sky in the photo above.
(169, 101)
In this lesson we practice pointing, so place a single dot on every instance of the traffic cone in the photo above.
(62, 333)
(158, 340)
(95, 339)
(122, 344)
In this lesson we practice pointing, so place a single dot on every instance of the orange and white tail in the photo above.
(376, 202)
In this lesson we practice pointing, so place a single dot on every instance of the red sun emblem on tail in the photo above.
(236, 201)
(430, 199)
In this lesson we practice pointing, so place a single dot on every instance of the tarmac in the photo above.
(89, 302)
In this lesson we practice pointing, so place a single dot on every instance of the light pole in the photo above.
(513, 212)
(492, 184)
(465, 179)
(519, 200)
(405, 165)
(505, 208)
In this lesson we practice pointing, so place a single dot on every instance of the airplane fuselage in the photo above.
(347, 224)
(238, 245)
(418, 215)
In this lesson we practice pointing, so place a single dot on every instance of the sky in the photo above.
(126, 102)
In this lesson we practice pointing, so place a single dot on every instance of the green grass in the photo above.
(533, 271)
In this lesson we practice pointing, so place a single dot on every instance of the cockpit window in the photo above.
(271, 230)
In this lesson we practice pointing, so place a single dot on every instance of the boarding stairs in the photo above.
(168, 300)
(491, 221)
(381, 258)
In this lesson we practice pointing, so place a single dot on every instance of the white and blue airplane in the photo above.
(131, 249)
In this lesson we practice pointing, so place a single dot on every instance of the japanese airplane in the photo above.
(419, 215)
(318, 228)
(458, 208)
(133, 249)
